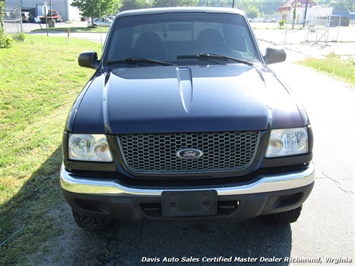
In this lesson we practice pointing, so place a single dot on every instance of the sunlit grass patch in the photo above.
(40, 79)
(343, 68)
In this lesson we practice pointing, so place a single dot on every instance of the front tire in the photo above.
(90, 223)
(283, 217)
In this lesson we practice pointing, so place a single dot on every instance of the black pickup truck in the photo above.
(184, 121)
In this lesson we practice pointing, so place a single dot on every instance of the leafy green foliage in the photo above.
(252, 12)
(5, 40)
(167, 3)
(266, 7)
(135, 4)
(282, 23)
(138, 4)
(2, 10)
(19, 37)
(339, 5)
(96, 8)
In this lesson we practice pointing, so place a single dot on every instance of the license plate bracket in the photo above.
(189, 203)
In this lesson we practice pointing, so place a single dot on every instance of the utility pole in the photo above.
(305, 14)
(294, 14)
(50, 9)
(20, 13)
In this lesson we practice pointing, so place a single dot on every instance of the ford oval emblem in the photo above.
(189, 153)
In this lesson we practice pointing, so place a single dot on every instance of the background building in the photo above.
(314, 11)
(35, 7)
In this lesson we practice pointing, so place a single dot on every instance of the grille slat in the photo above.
(156, 153)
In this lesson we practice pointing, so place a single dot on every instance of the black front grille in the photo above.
(157, 153)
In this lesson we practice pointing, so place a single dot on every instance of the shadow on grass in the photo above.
(50, 236)
(23, 220)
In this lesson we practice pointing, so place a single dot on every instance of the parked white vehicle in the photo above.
(101, 22)
(110, 17)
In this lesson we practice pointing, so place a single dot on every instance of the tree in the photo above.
(344, 5)
(221, 3)
(172, 3)
(266, 7)
(135, 4)
(252, 12)
(96, 8)
(339, 5)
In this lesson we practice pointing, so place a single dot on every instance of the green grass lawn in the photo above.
(40, 79)
(343, 69)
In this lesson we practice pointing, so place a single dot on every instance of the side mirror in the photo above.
(88, 59)
(274, 55)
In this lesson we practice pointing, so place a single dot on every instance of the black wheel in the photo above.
(90, 223)
(283, 217)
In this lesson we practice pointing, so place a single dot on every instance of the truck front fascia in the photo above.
(266, 183)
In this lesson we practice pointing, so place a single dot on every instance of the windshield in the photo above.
(177, 37)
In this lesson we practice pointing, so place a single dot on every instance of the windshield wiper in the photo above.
(139, 61)
(207, 56)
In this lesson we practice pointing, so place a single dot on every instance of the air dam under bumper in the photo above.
(107, 198)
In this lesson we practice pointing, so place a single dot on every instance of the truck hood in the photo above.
(185, 99)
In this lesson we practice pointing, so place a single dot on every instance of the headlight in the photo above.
(89, 147)
(287, 142)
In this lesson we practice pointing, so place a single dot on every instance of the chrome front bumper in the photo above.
(266, 183)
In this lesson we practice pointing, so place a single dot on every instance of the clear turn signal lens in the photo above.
(101, 150)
